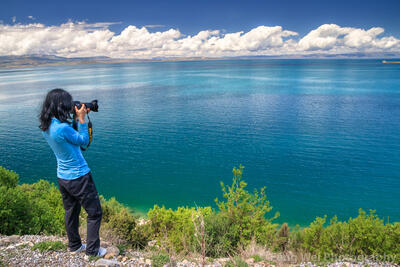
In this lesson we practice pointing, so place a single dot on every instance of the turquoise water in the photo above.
(322, 135)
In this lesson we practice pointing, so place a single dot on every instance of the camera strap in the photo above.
(90, 128)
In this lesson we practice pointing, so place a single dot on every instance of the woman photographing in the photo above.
(74, 177)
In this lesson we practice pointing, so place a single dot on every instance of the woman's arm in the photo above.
(80, 138)
(74, 137)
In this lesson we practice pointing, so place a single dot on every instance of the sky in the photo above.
(146, 29)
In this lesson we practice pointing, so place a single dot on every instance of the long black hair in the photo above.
(57, 104)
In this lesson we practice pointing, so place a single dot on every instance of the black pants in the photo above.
(76, 193)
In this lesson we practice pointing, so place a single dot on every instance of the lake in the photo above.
(321, 135)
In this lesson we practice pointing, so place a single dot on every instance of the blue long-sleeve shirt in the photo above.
(65, 142)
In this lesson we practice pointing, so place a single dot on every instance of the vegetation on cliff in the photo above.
(240, 218)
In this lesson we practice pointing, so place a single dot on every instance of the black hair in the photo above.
(57, 104)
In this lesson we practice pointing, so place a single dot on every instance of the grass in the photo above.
(159, 259)
(257, 258)
(236, 262)
(49, 246)
(94, 258)
(122, 248)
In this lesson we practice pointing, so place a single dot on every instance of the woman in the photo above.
(74, 178)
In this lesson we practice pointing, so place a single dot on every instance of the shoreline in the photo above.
(31, 62)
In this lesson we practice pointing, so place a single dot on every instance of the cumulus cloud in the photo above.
(333, 38)
(81, 39)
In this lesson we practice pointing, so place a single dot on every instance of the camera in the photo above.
(93, 106)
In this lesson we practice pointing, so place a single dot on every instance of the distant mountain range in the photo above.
(49, 60)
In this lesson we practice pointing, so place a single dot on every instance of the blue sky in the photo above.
(191, 17)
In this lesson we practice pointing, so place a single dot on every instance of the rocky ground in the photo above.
(21, 251)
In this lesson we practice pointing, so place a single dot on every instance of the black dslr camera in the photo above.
(93, 106)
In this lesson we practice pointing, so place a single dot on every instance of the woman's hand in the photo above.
(80, 113)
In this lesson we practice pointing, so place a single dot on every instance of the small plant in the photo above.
(236, 262)
(159, 259)
(94, 258)
(49, 246)
(257, 258)
(200, 233)
(122, 248)
(283, 237)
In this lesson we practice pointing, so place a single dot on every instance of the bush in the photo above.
(174, 230)
(236, 262)
(8, 178)
(15, 212)
(159, 259)
(246, 212)
(121, 221)
(364, 235)
(47, 207)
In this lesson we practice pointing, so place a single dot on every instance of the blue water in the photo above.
(321, 135)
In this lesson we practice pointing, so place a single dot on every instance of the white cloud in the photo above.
(334, 39)
(31, 17)
(14, 19)
(150, 26)
(78, 39)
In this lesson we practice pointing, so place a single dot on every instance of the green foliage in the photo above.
(159, 259)
(122, 222)
(47, 207)
(8, 178)
(222, 240)
(246, 212)
(257, 258)
(364, 235)
(15, 211)
(29, 209)
(282, 240)
(174, 230)
(236, 262)
(49, 246)
(241, 217)
(122, 248)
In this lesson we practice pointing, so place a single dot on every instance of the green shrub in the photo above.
(47, 207)
(246, 212)
(29, 209)
(257, 258)
(159, 259)
(8, 178)
(16, 216)
(222, 240)
(174, 229)
(282, 239)
(236, 262)
(365, 235)
(110, 208)
(49, 246)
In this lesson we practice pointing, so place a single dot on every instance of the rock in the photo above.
(14, 238)
(107, 263)
(9, 240)
(148, 262)
(111, 252)
(124, 258)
